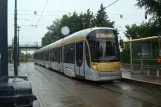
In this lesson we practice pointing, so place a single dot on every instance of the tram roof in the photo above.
(82, 33)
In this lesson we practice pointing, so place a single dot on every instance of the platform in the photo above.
(141, 78)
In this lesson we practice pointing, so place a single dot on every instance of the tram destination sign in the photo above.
(103, 35)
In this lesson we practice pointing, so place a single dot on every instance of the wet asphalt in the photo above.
(53, 89)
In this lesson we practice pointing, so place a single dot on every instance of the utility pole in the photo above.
(131, 57)
(15, 41)
(12, 49)
(18, 53)
(3, 38)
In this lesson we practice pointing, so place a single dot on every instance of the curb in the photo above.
(142, 83)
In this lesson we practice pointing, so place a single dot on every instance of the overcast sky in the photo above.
(56, 8)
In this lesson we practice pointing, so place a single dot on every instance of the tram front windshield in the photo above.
(104, 46)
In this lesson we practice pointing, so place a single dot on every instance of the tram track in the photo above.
(123, 94)
(88, 104)
(100, 85)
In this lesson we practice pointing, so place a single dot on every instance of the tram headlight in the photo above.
(94, 67)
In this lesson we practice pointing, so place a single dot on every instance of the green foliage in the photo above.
(152, 28)
(138, 31)
(76, 23)
(47, 39)
(23, 55)
(143, 30)
(101, 19)
(125, 54)
(152, 7)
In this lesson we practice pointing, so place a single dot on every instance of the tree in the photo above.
(143, 30)
(102, 20)
(152, 7)
(152, 28)
(47, 39)
(75, 23)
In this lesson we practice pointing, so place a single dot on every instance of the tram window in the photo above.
(87, 55)
(61, 54)
(36, 56)
(53, 55)
(56, 56)
(41, 56)
(65, 54)
(44, 56)
(79, 53)
(47, 55)
(58, 51)
(69, 53)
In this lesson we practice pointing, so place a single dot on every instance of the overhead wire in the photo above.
(79, 12)
(109, 16)
(112, 4)
(42, 12)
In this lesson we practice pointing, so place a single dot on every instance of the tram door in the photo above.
(79, 59)
(60, 59)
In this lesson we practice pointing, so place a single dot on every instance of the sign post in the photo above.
(3, 38)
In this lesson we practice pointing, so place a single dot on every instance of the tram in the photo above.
(91, 54)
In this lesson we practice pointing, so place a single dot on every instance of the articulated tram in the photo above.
(92, 54)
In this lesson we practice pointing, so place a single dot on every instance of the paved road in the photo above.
(56, 90)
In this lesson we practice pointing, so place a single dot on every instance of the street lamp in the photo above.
(83, 22)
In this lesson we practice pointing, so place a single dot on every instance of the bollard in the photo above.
(148, 72)
(157, 72)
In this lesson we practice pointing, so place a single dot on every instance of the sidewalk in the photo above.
(141, 78)
(21, 71)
